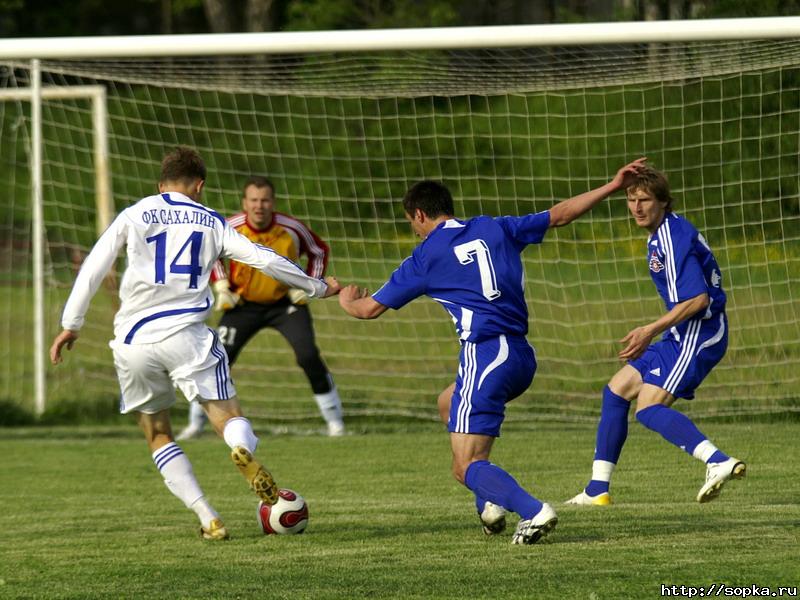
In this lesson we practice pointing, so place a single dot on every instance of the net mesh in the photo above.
(510, 132)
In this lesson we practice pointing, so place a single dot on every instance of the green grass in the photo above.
(85, 515)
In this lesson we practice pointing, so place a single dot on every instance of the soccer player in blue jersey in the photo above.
(695, 338)
(473, 269)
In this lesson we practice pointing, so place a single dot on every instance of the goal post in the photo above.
(35, 94)
(513, 119)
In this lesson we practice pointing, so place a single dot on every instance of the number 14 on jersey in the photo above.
(193, 269)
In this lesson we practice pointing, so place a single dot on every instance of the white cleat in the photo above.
(189, 433)
(716, 476)
(584, 499)
(493, 519)
(336, 429)
(532, 530)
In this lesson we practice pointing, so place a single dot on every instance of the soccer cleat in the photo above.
(716, 476)
(260, 480)
(216, 531)
(189, 433)
(584, 499)
(493, 519)
(336, 429)
(530, 531)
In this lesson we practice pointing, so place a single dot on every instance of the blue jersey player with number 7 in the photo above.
(473, 269)
(161, 341)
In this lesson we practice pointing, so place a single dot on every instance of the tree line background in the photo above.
(35, 18)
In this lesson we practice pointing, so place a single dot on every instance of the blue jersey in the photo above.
(474, 270)
(682, 266)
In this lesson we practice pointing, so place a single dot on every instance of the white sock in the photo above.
(330, 405)
(197, 416)
(204, 511)
(239, 432)
(177, 472)
(704, 450)
(602, 469)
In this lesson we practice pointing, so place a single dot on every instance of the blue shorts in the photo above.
(679, 366)
(490, 373)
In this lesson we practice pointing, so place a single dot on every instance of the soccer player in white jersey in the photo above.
(161, 342)
(695, 337)
(473, 268)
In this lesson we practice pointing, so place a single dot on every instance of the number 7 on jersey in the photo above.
(478, 250)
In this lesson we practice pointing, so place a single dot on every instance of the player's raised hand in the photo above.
(334, 287)
(636, 342)
(626, 176)
(65, 338)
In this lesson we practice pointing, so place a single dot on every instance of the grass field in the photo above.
(85, 515)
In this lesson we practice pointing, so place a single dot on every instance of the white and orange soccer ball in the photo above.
(288, 515)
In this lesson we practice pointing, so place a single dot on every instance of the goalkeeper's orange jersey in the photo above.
(285, 235)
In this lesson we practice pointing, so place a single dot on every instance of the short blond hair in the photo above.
(653, 182)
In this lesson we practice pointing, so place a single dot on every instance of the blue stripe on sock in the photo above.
(166, 454)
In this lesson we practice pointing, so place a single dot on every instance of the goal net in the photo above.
(509, 131)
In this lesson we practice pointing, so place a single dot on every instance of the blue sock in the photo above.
(673, 426)
(480, 503)
(612, 431)
(492, 483)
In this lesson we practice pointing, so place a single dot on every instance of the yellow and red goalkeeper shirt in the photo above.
(285, 235)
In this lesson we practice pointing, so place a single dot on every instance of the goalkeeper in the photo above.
(252, 300)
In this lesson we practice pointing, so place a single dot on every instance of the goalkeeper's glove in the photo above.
(297, 296)
(226, 299)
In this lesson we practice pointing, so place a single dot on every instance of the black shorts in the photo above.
(238, 325)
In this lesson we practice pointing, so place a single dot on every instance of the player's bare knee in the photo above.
(459, 474)
(460, 470)
(626, 383)
(651, 395)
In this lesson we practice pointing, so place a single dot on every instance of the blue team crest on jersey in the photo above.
(656, 266)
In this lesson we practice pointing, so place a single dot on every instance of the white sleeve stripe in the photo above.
(669, 259)
(315, 252)
(667, 245)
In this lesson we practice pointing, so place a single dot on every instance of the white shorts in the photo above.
(192, 359)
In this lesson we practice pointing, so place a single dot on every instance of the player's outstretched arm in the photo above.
(65, 338)
(269, 262)
(637, 340)
(567, 211)
(357, 302)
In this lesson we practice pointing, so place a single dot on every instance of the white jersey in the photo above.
(172, 244)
